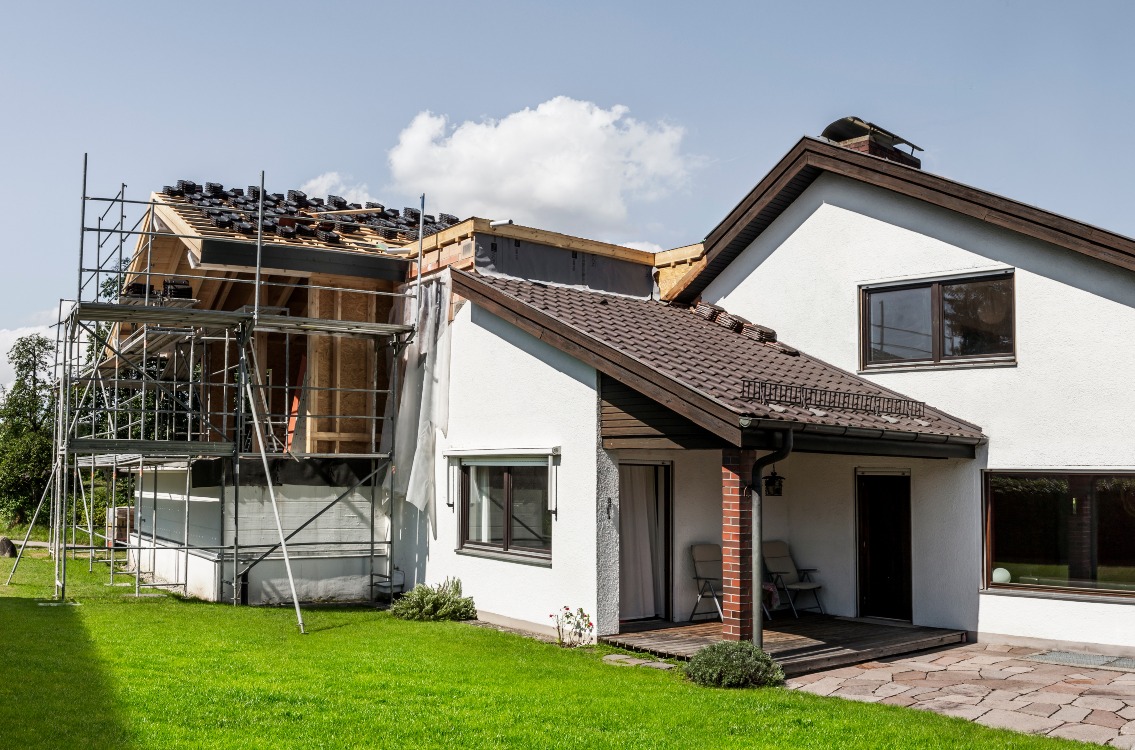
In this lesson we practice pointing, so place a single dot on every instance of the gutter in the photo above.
(757, 423)
(758, 552)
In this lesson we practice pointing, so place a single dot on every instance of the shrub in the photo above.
(441, 602)
(734, 664)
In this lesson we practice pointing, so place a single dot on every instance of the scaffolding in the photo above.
(164, 365)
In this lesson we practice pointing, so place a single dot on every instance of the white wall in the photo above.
(816, 516)
(1065, 403)
(696, 508)
(509, 390)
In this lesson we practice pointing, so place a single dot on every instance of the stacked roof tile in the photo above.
(296, 217)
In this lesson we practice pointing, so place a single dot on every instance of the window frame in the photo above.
(1048, 590)
(937, 359)
(463, 464)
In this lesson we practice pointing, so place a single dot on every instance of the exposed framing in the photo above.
(150, 380)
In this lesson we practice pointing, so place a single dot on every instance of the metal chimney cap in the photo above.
(846, 128)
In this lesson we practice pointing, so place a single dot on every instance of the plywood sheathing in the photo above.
(454, 246)
(675, 265)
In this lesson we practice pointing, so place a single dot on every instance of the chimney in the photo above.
(858, 135)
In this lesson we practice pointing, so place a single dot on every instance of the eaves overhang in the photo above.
(811, 157)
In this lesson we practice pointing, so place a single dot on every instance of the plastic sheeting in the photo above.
(423, 401)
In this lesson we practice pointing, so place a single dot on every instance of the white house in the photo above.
(954, 382)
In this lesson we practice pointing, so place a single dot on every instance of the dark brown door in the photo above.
(884, 546)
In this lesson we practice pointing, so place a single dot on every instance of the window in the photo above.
(939, 321)
(505, 505)
(1069, 531)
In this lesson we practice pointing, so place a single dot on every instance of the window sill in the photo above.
(539, 561)
(953, 364)
(1060, 595)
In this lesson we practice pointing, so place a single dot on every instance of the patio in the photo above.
(808, 644)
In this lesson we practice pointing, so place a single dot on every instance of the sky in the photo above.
(636, 123)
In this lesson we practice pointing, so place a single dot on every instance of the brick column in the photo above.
(736, 546)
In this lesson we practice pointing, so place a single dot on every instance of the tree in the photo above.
(26, 411)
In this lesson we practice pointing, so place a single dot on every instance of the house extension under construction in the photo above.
(234, 356)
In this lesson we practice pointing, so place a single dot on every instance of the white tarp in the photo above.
(423, 404)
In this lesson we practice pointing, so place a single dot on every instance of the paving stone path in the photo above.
(995, 686)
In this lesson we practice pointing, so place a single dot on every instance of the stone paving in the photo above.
(995, 686)
(623, 660)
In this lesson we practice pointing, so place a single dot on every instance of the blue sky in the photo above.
(691, 103)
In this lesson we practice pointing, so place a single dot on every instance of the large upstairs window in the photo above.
(938, 322)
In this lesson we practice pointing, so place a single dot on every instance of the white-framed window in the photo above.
(506, 500)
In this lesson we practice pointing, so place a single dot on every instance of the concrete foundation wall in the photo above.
(326, 571)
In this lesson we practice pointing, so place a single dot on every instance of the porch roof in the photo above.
(697, 369)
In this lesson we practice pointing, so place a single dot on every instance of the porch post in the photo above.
(736, 547)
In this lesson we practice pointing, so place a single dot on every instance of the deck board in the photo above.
(806, 645)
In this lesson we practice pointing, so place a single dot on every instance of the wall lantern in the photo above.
(774, 485)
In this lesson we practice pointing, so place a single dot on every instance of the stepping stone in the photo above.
(1084, 733)
(1105, 719)
(1044, 709)
(1103, 704)
(1072, 713)
(1018, 722)
(658, 665)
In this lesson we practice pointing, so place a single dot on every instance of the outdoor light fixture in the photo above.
(774, 485)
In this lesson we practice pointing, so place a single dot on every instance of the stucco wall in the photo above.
(696, 515)
(1065, 403)
(817, 518)
(509, 390)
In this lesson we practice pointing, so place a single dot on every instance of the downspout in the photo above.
(758, 557)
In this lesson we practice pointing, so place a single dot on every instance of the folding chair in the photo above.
(788, 578)
(707, 574)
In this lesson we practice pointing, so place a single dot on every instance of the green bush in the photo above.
(441, 602)
(734, 664)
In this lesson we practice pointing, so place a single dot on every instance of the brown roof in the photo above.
(696, 367)
(809, 158)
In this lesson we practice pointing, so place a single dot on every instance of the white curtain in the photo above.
(640, 547)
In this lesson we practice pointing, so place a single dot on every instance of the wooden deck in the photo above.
(809, 644)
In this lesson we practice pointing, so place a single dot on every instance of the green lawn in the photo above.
(16, 532)
(160, 672)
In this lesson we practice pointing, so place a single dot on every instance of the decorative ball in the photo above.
(1000, 575)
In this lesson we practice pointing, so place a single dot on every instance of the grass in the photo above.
(16, 531)
(160, 672)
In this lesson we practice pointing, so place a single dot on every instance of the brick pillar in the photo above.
(736, 546)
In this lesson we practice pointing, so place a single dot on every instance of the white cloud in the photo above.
(568, 165)
(333, 183)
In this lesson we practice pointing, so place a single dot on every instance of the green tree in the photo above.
(26, 412)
